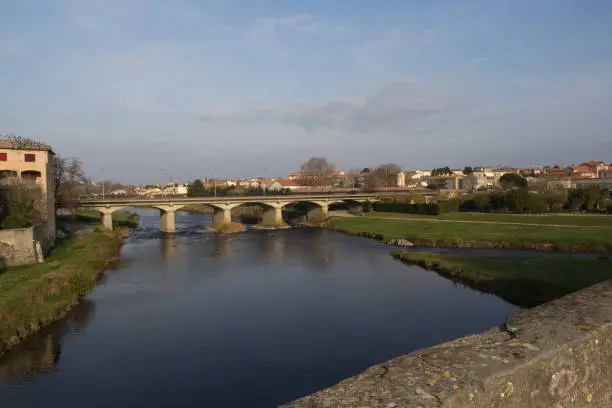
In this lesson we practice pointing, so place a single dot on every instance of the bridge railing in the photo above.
(313, 193)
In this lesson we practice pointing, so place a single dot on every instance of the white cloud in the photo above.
(298, 23)
(397, 104)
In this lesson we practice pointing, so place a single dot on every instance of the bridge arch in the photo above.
(222, 206)
(316, 211)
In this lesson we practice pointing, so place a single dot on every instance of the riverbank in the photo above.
(120, 218)
(475, 234)
(229, 228)
(36, 295)
(523, 281)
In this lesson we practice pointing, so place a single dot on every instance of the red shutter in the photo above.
(3, 157)
(29, 157)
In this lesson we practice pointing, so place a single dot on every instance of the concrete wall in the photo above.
(17, 247)
(557, 355)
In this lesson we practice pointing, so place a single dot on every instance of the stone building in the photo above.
(24, 161)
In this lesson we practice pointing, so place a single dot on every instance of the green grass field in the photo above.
(37, 294)
(595, 239)
(550, 219)
(524, 281)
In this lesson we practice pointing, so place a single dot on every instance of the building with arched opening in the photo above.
(27, 162)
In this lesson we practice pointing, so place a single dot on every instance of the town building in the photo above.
(330, 178)
(26, 161)
(448, 182)
(584, 171)
(290, 184)
(557, 172)
(29, 163)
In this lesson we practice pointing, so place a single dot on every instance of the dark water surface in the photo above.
(246, 320)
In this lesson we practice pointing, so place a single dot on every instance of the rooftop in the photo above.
(22, 143)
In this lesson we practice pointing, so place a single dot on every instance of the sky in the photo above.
(149, 90)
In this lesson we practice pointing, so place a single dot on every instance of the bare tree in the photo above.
(384, 175)
(69, 181)
(316, 171)
(352, 178)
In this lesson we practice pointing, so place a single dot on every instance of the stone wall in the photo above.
(17, 247)
(555, 355)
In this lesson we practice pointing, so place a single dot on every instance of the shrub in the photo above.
(422, 209)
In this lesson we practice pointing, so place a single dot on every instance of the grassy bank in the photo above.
(480, 235)
(543, 219)
(523, 281)
(198, 208)
(36, 295)
(120, 218)
(229, 228)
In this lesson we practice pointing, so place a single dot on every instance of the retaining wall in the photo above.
(555, 355)
(17, 247)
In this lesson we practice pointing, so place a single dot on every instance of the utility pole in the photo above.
(161, 182)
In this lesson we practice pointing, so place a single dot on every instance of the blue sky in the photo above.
(148, 89)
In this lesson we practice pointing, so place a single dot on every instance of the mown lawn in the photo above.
(34, 295)
(550, 219)
(518, 236)
(524, 281)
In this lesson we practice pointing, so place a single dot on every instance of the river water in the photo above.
(245, 320)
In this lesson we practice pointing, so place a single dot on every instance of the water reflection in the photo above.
(255, 319)
(220, 248)
(41, 353)
(168, 248)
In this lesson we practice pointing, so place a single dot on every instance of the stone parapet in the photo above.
(555, 355)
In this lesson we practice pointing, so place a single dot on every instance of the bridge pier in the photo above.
(272, 217)
(319, 213)
(107, 218)
(166, 220)
(222, 215)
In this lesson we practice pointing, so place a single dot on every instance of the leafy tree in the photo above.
(21, 205)
(442, 171)
(467, 170)
(510, 180)
(196, 189)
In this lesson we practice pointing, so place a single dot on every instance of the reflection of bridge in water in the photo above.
(272, 215)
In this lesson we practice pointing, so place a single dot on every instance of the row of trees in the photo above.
(592, 198)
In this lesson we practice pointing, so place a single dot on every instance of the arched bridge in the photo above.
(273, 205)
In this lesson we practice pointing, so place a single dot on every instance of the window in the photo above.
(3, 157)
(29, 157)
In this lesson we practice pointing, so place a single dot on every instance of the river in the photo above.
(245, 320)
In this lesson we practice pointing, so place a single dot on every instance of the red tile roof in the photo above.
(287, 183)
(582, 169)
